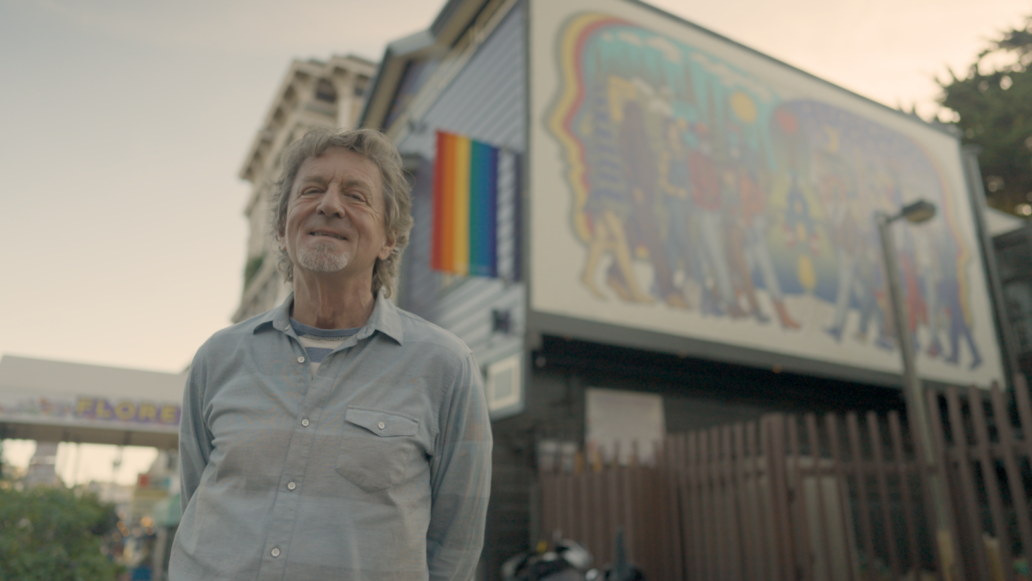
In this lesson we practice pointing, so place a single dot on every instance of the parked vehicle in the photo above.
(567, 560)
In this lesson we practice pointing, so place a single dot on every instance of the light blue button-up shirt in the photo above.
(376, 468)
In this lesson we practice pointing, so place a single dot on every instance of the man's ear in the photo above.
(387, 249)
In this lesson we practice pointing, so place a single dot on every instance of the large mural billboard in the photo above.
(683, 184)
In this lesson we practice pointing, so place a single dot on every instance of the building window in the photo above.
(325, 91)
(360, 85)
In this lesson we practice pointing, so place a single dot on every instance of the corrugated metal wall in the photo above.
(484, 102)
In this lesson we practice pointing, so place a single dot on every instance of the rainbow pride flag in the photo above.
(465, 207)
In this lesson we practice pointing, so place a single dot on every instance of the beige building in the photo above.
(313, 94)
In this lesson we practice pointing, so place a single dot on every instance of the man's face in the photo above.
(335, 216)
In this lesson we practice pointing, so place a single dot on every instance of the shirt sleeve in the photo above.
(460, 479)
(194, 438)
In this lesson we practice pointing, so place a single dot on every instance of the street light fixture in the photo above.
(917, 410)
(916, 212)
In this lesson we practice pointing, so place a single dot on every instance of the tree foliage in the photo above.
(994, 102)
(50, 534)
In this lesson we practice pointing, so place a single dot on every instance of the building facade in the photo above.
(1012, 244)
(313, 94)
(684, 227)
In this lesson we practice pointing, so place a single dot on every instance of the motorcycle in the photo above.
(567, 560)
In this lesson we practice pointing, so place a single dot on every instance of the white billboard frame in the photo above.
(561, 303)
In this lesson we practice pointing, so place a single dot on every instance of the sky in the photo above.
(124, 124)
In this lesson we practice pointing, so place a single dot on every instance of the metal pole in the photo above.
(913, 390)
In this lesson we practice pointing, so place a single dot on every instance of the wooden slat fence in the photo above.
(590, 505)
(984, 442)
(787, 497)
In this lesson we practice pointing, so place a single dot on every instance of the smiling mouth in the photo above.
(327, 235)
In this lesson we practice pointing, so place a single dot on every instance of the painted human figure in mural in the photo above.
(869, 272)
(872, 297)
(837, 189)
(753, 187)
(734, 236)
(917, 315)
(800, 228)
(870, 277)
(927, 239)
(683, 249)
(955, 306)
(656, 105)
(608, 203)
(705, 181)
(640, 169)
(802, 238)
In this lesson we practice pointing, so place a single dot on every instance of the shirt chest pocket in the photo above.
(376, 448)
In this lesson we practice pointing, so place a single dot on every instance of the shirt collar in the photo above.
(385, 318)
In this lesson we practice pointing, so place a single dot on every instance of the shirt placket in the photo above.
(286, 506)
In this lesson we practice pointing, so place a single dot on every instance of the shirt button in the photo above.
(381, 425)
(300, 359)
(274, 552)
(304, 422)
(291, 486)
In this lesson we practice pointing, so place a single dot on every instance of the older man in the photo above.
(336, 436)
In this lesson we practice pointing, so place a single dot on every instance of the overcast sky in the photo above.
(123, 125)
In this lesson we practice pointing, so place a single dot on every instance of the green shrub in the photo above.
(50, 534)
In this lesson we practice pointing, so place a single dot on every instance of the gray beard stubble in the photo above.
(321, 258)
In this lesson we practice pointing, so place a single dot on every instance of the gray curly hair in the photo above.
(377, 148)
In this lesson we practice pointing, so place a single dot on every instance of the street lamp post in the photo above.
(917, 410)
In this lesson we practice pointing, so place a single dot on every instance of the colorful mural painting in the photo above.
(701, 187)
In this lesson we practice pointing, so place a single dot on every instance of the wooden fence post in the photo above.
(777, 474)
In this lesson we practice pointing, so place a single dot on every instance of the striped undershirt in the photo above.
(319, 343)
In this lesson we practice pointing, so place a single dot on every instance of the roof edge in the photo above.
(448, 26)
